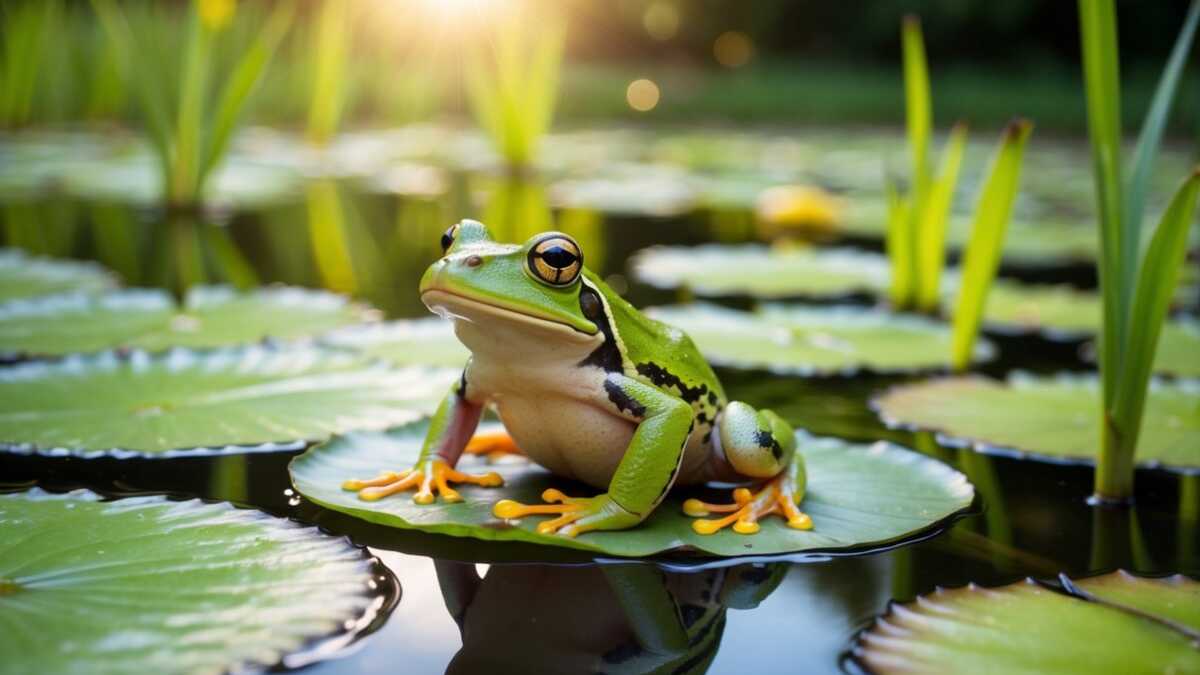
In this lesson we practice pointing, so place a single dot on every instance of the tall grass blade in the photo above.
(328, 90)
(1151, 135)
(1158, 276)
(987, 239)
(916, 100)
(1098, 35)
(899, 243)
(246, 75)
(931, 242)
(186, 153)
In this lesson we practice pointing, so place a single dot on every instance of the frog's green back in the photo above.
(660, 354)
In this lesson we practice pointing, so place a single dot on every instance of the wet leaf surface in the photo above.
(241, 399)
(25, 276)
(151, 585)
(859, 495)
(1048, 418)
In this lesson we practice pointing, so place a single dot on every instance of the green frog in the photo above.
(591, 389)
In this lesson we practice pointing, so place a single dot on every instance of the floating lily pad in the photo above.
(1047, 418)
(428, 342)
(1178, 349)
(211, 316)
(24, 276)
(1020, 628)
(241, 399)
(777, 272)
(150, 585)
(1173, 599)
(858, 496)
(816, 340)
(1059, 312)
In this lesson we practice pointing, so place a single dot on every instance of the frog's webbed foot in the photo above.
(575, 514)
(493, 445)
(435, 477)
(776, 496)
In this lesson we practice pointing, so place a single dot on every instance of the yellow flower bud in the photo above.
(216, 14)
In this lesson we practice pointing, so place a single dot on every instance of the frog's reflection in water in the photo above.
(612, 619)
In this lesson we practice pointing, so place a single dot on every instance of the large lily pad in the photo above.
(151, 585)
(1021, 628)
(406, 342)
(24, 276)
(759, 271)
(1059, 312)
(242, 399)
(211, 316)
(816, 340)
(1047, 418)
(858, 496)
(1172, 599)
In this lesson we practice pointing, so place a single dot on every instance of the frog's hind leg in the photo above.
(493, 445)
(757, 444)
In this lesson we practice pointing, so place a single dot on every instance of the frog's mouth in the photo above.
(459, 307)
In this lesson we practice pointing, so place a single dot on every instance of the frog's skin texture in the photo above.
(589, 619)
(591, 389)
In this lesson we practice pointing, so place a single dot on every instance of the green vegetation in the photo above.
(189, 136)
(25, 28)
(1136, 283)
(332, 31)
(512, 83)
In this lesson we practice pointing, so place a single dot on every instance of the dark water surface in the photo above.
(468, 606)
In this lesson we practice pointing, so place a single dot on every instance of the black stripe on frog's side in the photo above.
(607, 356)
(623, 401)
(766, 439)
(661, 377)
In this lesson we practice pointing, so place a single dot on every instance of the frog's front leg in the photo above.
(450, 430)
(643, 477)
(757, 444)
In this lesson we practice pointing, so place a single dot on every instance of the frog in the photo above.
(591, 389)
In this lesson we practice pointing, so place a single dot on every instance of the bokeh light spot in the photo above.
(661, 20)
(642, 95)
(733, 49)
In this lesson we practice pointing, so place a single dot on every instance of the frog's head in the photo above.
(538, 283)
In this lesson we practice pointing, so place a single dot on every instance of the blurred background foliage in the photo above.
(770, 61)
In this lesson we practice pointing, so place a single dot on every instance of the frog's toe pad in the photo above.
(436, 479)
(747, 508)
(575, 515)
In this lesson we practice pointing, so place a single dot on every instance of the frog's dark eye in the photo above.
(448, 237)
(555, 260)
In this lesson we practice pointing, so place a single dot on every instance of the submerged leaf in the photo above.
(211, 316)
(778, 272)
(1020, 628)
(242, 399)
(858, 496)
(429, 342)
(23, 276)
(146, 584)
(1047, 418)
(816, 340)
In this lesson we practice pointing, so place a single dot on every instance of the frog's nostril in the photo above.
(473, 261)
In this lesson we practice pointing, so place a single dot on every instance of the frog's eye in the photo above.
(555, 260)
(448, 237)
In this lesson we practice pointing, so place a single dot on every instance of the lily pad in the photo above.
(859, 496)
(1172, 599)
(147, 584)
(759, 271)
(24, 276)
(211, 316)
(1020, 628)
(1178, 349)
(1046, 418)
(1058, 312)
(428, 342)
(241, 399)
(816, 340)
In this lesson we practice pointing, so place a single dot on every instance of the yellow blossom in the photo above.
(802, 207)
(216, 14)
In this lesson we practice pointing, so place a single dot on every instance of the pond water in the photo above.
(465, 603)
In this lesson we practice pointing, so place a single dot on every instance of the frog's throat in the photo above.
(459, 307)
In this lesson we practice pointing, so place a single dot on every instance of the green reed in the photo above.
(1137, 276)
(190, 110)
